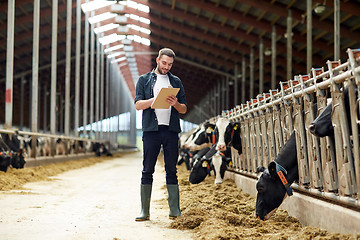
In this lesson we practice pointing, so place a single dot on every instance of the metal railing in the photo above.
(327, 169)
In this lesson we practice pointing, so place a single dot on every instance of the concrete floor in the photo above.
(96, 202)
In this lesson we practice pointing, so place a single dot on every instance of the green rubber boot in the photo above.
(173, 200)
(145, 193)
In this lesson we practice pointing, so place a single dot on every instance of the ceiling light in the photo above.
(90, 6)
(114, 48)
(101, 17)
(320, 8)
(110, 39)
(119, 60)
(105, 28)
(115, 54)
(122, 64)
(267, 52)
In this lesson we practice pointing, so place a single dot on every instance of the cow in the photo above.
(225, 134)
(202, 137)
(322, 125)
(60, 147)
(274, 183)
(201, 167)
(184, 153)
(13, 147)
(100, 149)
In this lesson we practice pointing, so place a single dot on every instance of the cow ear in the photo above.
(272, 168)
(260, 169)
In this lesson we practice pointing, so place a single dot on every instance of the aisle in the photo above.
(96, 202)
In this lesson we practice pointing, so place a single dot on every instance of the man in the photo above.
(160, 128)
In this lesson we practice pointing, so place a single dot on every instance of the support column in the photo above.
(45, 108)
(261, 66)
(22, 88)
(308, 35)
(101, 90)
(336, 30)
(223, 89)
(97, 84)
(219, 102)
(243, 80)
(77, 67)
(68, 68)
(227, 93)
(273, 57)
(252, 79)
(9, 64)
(289, 46)
(235, 85)
(132, 138)
(35, 73)
(53, 66)
(91, 99)
(86, 71)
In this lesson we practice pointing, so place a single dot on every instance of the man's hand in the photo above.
(181, 108)
(172, 100)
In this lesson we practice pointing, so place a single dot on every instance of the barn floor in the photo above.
(96, 202)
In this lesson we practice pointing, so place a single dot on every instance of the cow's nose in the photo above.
(312, 128)
(220, 147)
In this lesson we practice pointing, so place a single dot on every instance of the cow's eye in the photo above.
(260, 188)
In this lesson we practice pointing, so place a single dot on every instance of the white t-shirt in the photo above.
(162, 115)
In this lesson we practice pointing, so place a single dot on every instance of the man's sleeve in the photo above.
(140, 94)
(181, 94)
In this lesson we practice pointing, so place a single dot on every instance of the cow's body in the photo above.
(271, 190)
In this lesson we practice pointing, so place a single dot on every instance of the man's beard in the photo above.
(160, 71)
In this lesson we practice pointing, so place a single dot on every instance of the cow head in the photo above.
(5, 161)
(199, 171)
(271, 193)
(18, 160)
(322, 125)
(274, 183)
(202, 137)
(220, 129)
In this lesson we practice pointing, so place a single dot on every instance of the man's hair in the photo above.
(166, 51)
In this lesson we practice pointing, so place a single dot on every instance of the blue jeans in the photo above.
(152, 141)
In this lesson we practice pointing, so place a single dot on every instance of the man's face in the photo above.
(164, 64)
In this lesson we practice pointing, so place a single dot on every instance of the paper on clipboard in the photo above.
(160, 100)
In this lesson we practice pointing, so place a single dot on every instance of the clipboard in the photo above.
(160, 100)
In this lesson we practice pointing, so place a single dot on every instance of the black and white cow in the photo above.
(13, 148)
(202, 137)
(225, 134)
(201, 167)
(274, 183)
(100, 149)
